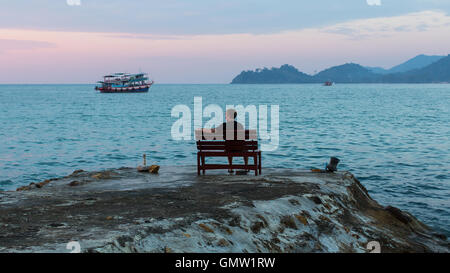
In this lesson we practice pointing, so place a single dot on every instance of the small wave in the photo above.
(373, 178)
(418, 204)
(427, 186)
(441, 176)
(406, 165)
(6, 182)
(158, 157)
(327, 149)
(51, 163)
(120, 157)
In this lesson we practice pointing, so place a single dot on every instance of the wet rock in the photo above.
(103, 175)
(235, 221)
(275, 240)
(97, 176)
(143, 169)
(24, 188)
(206, 228)
(167, 250)
(397, 213)
(223, 243)
(228, 231)
(43, 183)
(154, 169)
(259, 216)
(74, 183)
(324, 218)
(256, 227)
(324, 225)
(56, 225)
(316, 200)
(440, 236)
(35, 185)
(302, 219)
(288, 222)
(272, 245)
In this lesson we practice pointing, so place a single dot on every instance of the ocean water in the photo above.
(394, 138)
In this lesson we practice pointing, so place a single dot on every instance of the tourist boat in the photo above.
(328, 84)
(124, 83)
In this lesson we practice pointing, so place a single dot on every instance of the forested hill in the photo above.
(436, 72)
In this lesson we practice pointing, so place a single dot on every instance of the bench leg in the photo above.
(255, 158)
(203, 164)
(260, 163)
(230, 163)
(198, 164)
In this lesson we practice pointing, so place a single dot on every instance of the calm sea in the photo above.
(395, 138)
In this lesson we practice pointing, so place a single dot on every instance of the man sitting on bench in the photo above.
(230, 125)
(229, 130)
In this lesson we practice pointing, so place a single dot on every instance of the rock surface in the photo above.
(123, 210)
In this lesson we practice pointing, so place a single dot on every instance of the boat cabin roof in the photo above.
(115, 75)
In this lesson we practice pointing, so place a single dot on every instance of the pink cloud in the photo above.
(8, 45)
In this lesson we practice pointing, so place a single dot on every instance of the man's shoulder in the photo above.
(230, 126)
(239, 126)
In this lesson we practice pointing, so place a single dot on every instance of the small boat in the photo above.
(328, 84)
(125, 83)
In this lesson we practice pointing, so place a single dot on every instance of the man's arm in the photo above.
(212, 130)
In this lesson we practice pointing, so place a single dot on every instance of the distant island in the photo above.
(420, 69)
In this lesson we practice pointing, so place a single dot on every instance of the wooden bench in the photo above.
(244, 144)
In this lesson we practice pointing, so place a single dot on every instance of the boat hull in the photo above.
(139, 89)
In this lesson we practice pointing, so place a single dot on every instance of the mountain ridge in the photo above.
(438, 71)
(420, 61)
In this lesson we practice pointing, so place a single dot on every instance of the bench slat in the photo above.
(233, 154)
(241, 135)
(228, 142)
(228, 148)
(225, 167)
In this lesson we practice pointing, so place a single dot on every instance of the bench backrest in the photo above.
(227, 145)
(227, 135)
(241, 142)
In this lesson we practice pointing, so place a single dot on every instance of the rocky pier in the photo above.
(123, 210)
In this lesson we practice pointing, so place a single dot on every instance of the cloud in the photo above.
(389, 26)
(199, 17)
(148, 36)
(73, 2)
(9, 45)
(374, 2)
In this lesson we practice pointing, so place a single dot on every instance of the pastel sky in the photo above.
(210, 41)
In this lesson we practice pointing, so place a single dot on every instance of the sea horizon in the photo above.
(157, 83)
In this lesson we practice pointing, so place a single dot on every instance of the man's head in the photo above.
(230, 115)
